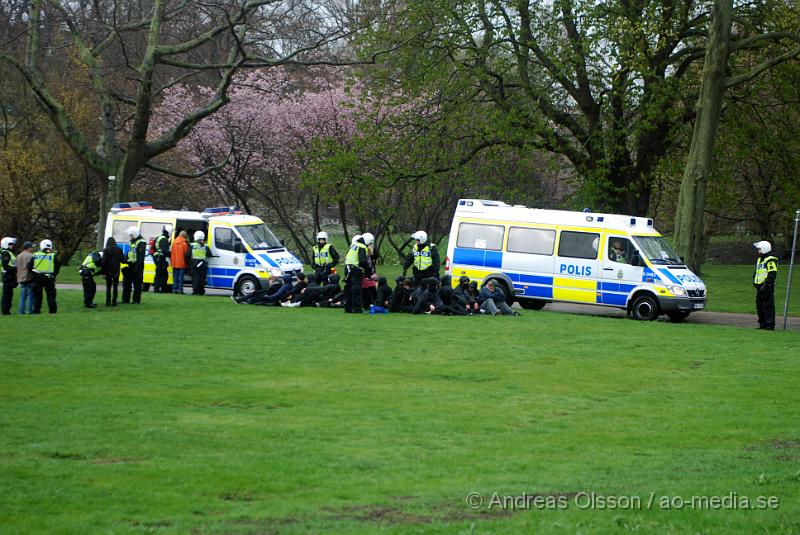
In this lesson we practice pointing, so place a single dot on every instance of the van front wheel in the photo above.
(246, 286)
(645, 308)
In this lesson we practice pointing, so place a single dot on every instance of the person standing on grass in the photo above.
(764, 282)
(45, 270)
(178, 260)
(8, 265)
(200, 253)
(90, 267)
(110, 264)
(355, 265)
(25, 278)
(133, 274)
(423, 258)
(160, 256)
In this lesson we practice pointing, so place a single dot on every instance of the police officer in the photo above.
(133, 273)
(45, 269)
(8, 264)
(617, 252)
(89, 268)
(423, 258)
(355, 265)
(199, 254)
(324, 259)
(764, 282)
(160, 256)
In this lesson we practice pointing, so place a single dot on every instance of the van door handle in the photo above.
(608, 269)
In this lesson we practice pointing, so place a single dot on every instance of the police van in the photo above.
(540, 256)
(246, 251)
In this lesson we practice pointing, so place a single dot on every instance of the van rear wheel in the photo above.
(645, 308)
(246, 286)
(532, 304)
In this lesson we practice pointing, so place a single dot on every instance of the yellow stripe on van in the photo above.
(563, 282)
(473, 274)
(569, 294)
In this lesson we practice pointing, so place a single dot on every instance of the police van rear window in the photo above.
(476, 236)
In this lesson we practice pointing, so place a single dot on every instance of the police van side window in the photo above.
(531, 240)
(223, 239)
(153, 229)
(475, 236)
(578, 244)
(119, 228)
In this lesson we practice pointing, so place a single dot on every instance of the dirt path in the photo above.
(747, 321)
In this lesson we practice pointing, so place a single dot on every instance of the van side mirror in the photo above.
(238, 247)
(636, 259)
(283, 243)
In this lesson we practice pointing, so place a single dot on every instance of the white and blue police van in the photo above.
(247, 253)
(539, 256)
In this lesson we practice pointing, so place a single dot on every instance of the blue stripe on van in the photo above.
(610, 298)
(220, 282)
(478, 257)
(270, 261)
(669, 275)
(223, 272)
(536, 291)
(616, 287)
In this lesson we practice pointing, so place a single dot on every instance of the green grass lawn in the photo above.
(190, 414)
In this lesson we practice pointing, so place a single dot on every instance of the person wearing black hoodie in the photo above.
(315, 295)
(401, 297)
(383, 293)
(463, 295)
(454, 303)
(270, 296)
(109, 266)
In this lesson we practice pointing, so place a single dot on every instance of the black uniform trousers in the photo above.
(89, 290)
(9, 283)
(132, 281)
(47, 285)
(112, 283)
(353, 279)
(765, 306)
(199, 272)
(162, 275)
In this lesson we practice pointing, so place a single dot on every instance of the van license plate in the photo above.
(698, 306)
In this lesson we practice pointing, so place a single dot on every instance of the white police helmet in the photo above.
(8, 242)
(199, 235)
(132, 231)
(355, 239)
(322, 236)
(369, 239)
(763, 246)
(46, 244)
(420, 235)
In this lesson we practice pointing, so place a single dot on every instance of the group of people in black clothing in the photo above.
(423, 293)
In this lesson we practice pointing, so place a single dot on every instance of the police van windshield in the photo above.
(258, 236)
(658, 251)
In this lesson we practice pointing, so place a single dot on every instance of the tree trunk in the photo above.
(689, 217)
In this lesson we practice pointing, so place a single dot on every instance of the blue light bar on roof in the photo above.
(223, 210)
(137, 205)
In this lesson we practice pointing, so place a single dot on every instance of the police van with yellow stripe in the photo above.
(539, 256)
(246, 251)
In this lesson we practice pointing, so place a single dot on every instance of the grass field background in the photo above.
(189, 414)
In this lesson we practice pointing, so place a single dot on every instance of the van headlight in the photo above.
(679, 291)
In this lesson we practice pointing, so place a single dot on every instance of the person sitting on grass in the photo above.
(279, 288)
(464, 295)
(492, 300)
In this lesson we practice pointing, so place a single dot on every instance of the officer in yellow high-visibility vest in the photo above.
(355, 265)
(160, 256)
(423, 258)
(133, 273)
(324, 258)
(45, 269)
(8, 265)
(199, 253)
(764, 282)
(89, 268)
